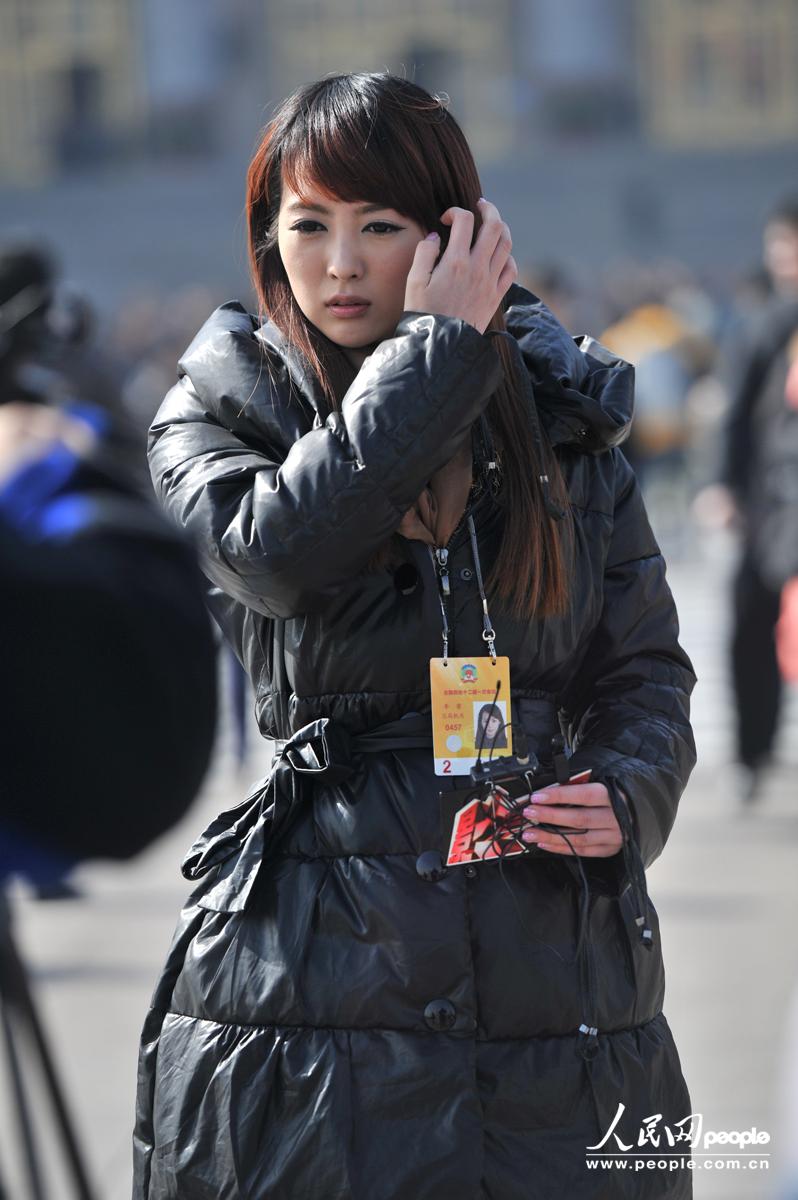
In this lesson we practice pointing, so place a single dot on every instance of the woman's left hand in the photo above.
(581, 806)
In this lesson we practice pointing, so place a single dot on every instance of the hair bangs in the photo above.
(350, 149)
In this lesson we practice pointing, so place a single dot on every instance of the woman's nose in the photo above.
(344, 262)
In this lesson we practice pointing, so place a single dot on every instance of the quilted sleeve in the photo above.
(631, 702)
(281, 526)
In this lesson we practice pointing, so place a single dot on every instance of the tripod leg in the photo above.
(19, 995)
(23, 1109)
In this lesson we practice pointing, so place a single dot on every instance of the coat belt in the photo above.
(236, 842)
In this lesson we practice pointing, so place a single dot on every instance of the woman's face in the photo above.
(334, 249)
(492, 727)
(781, 254)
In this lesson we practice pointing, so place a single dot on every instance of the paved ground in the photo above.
(726, 891)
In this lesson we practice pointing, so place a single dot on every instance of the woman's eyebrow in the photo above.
(297, 205)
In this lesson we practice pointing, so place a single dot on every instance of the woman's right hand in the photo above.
(468, 282)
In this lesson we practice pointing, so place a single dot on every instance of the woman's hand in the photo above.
(553, 804)
(468, 282)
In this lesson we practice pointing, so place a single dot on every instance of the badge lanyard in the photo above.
(470, 695)
(488, 632)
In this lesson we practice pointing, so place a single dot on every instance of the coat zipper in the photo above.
(440, 557)
(441, 560)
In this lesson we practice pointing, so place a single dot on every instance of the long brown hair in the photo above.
(382, 139)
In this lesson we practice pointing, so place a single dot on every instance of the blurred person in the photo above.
(108, 660)
(757, 494)
(784, 528)
(751, 293)
(664, 334)
(341, 1014)
(55, 355)
(780, 244)
(787, 632)
(109, 657)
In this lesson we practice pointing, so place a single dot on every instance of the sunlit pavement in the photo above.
(726, 890)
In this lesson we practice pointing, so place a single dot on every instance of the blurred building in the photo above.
(88, 81)
(83, 80)
(575, 67)
(660, 128)
(720, 72)
(684, 73)
(649, 128)
(69, 86)
(460, 47)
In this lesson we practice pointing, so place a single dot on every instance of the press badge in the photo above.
(469, 718)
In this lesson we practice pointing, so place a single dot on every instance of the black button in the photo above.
(466, 573)
(440, 1015)
(471, 871)
(430, 866)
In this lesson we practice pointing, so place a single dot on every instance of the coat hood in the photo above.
(585, 394)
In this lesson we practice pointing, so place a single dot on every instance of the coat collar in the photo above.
(585, 395)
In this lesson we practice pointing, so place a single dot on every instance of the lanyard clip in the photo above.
(488, 633)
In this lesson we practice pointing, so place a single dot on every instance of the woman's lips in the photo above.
(348, 310)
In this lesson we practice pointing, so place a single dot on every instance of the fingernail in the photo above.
(432, 237)
(532, 813)
(530, 835)
(538, 797)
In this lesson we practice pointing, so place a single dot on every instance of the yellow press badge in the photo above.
(467, 714)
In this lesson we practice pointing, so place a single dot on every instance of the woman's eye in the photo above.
(379, 227)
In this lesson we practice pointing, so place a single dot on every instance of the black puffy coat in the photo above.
(339, 1017)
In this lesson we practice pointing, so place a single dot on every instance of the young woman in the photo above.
(404, 458)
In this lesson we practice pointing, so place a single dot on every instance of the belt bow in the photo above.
(235, 843)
